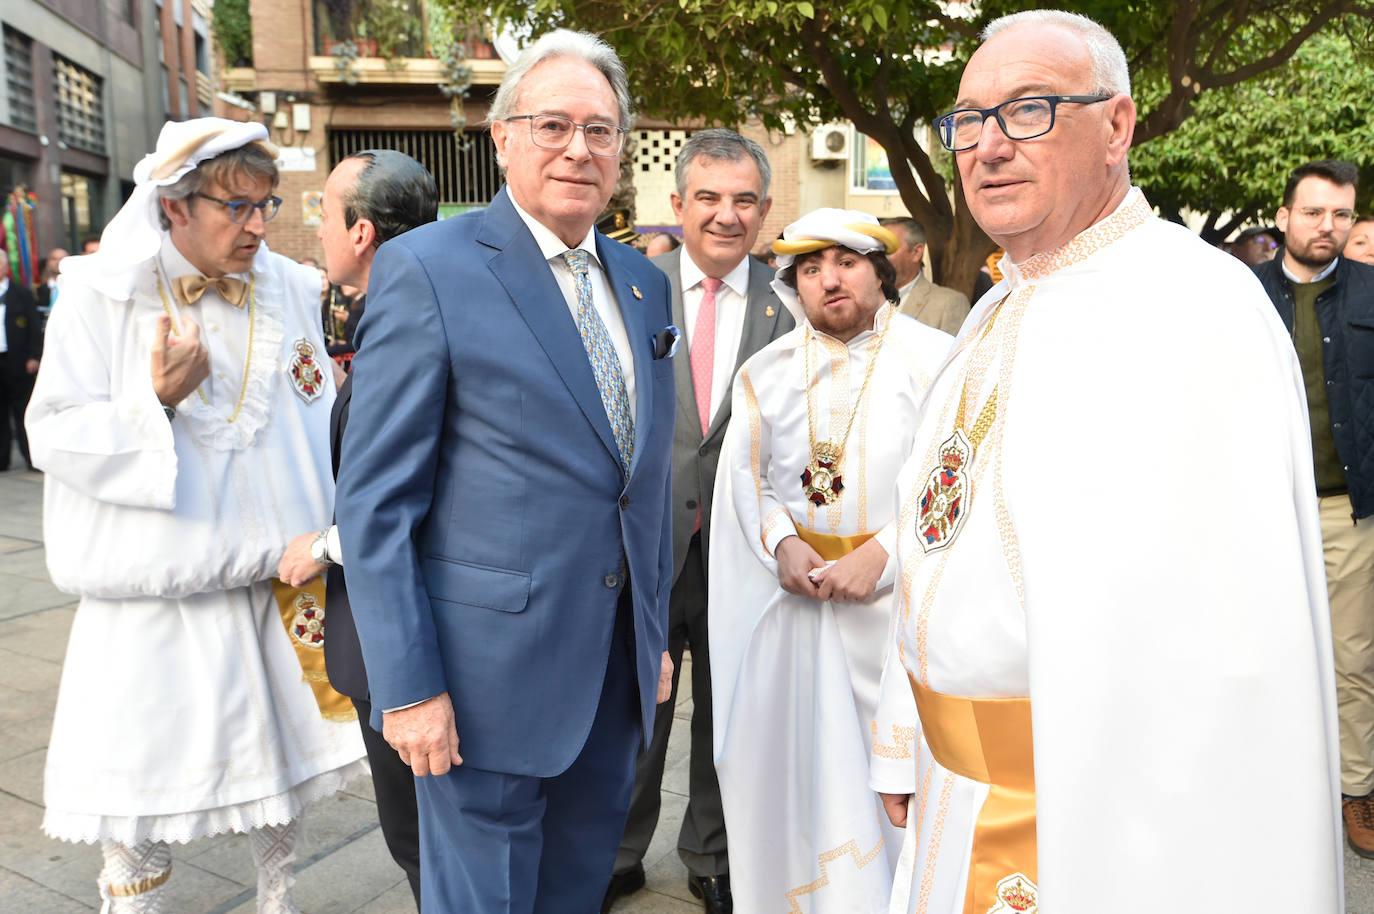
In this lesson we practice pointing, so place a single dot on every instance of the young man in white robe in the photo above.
(1111, 604)
(800, 578)
(181, 416)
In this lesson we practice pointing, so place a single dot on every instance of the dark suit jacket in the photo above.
(343, 657)
(485, 518)
(23, 327)
(695, 455)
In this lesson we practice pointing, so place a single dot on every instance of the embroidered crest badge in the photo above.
(944, 503)
(821, 480)
(305, 373)
(308, 626)
(1015, 895)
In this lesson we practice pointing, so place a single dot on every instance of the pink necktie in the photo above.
(703, 357)
(704, 350)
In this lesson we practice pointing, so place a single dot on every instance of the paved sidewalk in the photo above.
(344, 868)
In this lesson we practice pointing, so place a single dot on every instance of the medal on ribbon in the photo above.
(306, 376)
(821, 480)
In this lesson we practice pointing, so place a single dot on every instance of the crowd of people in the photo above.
(1034, 602)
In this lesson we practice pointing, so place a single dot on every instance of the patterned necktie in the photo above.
(192, 286)
(601, 353)
(703, 350)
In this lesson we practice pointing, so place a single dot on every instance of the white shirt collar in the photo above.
(737, 279)
(549, 244)
(905, 290)
(1326, 271)
(4, 287)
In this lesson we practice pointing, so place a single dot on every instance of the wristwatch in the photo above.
(319, 549)
(169, 412)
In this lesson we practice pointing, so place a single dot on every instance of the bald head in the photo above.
(1033, 195)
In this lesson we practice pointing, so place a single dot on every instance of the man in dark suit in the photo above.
(722, 298)
(21, 345)
(503, 503)
(45, 293)
(370, 197)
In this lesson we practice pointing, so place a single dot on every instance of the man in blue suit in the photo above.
(503, 503)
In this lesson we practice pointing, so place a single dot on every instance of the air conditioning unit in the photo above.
(830, 143)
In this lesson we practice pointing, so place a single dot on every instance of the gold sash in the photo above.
(989, 740)
(832, 548)
(302, 612)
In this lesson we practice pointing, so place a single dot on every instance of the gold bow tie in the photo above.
(190, 288)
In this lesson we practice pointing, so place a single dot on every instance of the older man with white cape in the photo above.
(1111, 606)
(182, 418)
(800, 581)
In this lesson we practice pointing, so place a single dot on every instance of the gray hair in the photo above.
(912, 230)
(252, 161)
(392, 191)
(583, 46)
(1108, 60)
(717, 144)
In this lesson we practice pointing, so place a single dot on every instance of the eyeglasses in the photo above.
(240, 211)
(1340, 218)
(553, 131)
(1020, 119)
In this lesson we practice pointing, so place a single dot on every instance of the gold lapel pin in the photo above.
(769, 312)
(635, 290)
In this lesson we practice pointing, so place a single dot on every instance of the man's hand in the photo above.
(31, 366)
(339, 374)
(895, 805)
(796, 560)
(665, 679)
(297, 567)
(180, 363)
(852, 578)
(424, 736)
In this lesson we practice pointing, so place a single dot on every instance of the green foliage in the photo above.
(891, 66)
(1230, 159)
(233, 28)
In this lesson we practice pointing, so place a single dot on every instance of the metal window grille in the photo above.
(466, 177)
(80, 113)
(19, 80)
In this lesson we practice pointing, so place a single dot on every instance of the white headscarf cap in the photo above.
(822, 228)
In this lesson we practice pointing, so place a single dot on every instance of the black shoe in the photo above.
(622, 884)
(714, 892)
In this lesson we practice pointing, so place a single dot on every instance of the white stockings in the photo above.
(134, 879)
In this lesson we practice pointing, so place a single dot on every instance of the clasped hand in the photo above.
(852, 579)
(179, 362)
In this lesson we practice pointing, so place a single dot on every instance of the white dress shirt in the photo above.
(602, 298)
(730, 302)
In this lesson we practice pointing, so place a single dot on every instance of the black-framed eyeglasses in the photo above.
(240, 211)
(1020, 119)
(553, 131)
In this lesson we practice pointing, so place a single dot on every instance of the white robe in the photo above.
(795, 680)
(182, 711)
(1141, 558)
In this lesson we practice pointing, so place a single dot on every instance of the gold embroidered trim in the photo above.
(1090, 240)
(849, 849)
(933, 848)
(142, 887)
(902, 739)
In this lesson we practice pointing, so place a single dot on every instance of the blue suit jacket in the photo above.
(483, 511)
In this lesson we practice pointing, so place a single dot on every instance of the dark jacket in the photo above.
(1345, 312)
(23, 326)
(343, 657)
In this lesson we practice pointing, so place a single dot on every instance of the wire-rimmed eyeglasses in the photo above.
(1020, 119)
(553, 131)
(240, 211)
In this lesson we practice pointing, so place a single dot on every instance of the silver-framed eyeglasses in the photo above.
(240, 211)
(1020, 119)
(554, 131)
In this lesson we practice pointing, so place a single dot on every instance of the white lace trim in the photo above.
(180, 828)
(206, 422)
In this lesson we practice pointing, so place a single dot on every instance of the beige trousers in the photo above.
(1348, 549)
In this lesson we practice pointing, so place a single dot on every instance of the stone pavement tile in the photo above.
(28, 674)
(395, 900)
(18, 707)
(26, 595)
(10, 544)
(664, 841)
(22, 776)
(345, 880)
(40, 634)
(326, 826)
(1359, 883)
(650, 902)
(22, 737)
(669, 877)
(19, 894)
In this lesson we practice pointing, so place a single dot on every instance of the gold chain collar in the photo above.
(248, 360)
